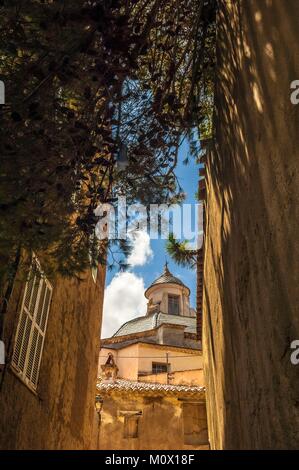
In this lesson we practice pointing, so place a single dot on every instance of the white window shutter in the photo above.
(32, 325)
(22, 339)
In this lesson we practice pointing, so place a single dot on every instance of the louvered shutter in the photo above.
(131, 427)
(32, 325)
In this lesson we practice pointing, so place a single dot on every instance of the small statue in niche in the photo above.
(109, 369)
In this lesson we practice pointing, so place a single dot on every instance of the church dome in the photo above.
(154, 320)
(166, 278)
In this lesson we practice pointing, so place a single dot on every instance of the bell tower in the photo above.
(169, 295)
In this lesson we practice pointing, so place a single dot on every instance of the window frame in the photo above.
(39, 320)
(127, 417)
(163, 365)
(177, 298)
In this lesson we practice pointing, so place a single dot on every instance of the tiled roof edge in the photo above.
(127, 385)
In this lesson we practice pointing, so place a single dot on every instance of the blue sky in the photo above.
(124, 291)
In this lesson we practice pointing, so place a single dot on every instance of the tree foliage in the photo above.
(86, 81)
(180, 252)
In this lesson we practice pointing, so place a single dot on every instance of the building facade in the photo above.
(251, 291)
(51, 335)
(151, 376)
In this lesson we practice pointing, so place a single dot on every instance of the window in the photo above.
(195, 424)
(174, 304)
(32, 326)
(131, 425)
(159, 367)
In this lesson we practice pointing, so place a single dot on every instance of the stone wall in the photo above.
(251, 295)
(61, 415)
(160, 424)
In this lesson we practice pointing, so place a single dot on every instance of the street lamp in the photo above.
(99, 404)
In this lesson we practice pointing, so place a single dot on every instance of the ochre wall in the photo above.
(127, 367)
(143, 355)
(185, 377)
(251, 294)
(153, 433)
(61, 415)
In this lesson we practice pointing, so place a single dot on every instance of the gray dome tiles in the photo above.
(155, 320)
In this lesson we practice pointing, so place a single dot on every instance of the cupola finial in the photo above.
(166, 270)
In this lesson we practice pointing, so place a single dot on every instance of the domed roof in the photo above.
(154, 320)
(166, 278)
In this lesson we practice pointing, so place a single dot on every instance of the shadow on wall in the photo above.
(251, 270)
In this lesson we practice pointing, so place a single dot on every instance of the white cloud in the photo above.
(141, 252)
(124, 296)
(124, 300)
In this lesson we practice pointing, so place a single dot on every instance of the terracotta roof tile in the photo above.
(127, 385)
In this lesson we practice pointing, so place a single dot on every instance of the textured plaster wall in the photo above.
(61, 415)
(126, 360)
(251, 295)
(178, 360)
(184, 377)
(139, 358)
(153, 433)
